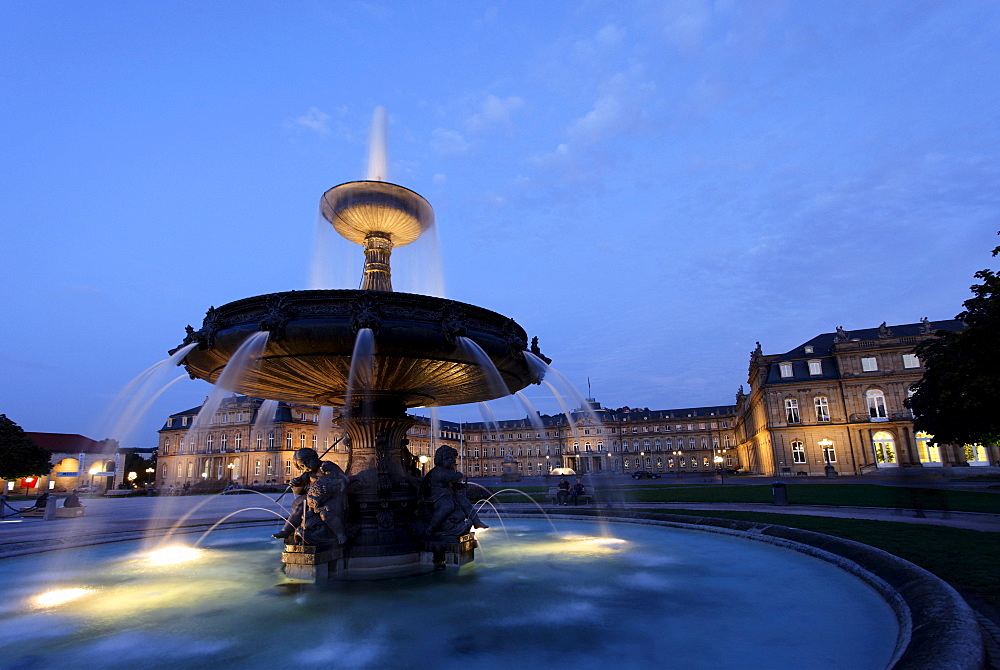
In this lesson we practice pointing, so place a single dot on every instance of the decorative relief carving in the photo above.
(366, 312)
(277, 315)
(452, 322)
(512, 336)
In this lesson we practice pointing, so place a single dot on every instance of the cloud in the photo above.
(495, 112)
(314, 120)
(446, 141)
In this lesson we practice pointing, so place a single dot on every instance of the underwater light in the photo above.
(173, 555)
(59, 596)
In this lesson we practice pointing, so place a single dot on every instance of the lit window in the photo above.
(808, 349)
(876, 405)
(911, 361)
(256, 467)
(798, 452)
(815, 367)
(869, 364)
(785, 369)
(792, 411)
(822, 409)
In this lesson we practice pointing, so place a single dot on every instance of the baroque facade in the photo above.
(241, 446)
(836, 402)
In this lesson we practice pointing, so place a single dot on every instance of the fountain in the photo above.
(374, 353)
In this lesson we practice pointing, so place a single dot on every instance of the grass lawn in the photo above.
(856, 495)
(966, 559)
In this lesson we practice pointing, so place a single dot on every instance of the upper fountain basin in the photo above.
(358, 208)
(417, 358)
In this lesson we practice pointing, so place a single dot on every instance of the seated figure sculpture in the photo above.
(321, 502)
(448, 511)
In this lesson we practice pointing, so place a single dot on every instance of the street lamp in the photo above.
(423, 463)
(718, 466)
(827, 445)
(642, 460)
(149, 475)
(677, 461)
(232, 468)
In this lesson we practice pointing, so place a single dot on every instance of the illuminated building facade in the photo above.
(835, 405)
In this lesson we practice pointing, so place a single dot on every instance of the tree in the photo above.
(19, 456)
(957, 399)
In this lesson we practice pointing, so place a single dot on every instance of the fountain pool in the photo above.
(584, 594)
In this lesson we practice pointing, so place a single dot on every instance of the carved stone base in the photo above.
(312, 563)
(320, 563)
(452, 552)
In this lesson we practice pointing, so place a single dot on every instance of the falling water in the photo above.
(241, 362)
(134, 400)
(494, 382)
(378, 169)
(489, 418)
(565, 409)
(435, 428)
(324, 429)
(266, 417)
(542, 368)
(362, 371)
(533, 417)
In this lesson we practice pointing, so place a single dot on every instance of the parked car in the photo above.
(645, 474)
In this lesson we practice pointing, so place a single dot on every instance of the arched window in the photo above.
(884, 448)
(876, 405)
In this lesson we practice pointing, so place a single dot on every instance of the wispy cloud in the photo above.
(447, 141)
(494, 112)
(315, 120)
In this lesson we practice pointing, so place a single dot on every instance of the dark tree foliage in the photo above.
(957, 399)
(19, 456)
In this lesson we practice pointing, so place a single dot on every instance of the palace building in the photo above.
(835, 405)
(240, 446)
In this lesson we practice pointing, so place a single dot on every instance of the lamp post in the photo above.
(827, 444)
(721, 470)
(677, 461)
(642, 461)
(548, 466)
(423, 463)
(232, 468)
(149, 476)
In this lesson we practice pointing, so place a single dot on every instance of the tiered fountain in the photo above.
(421, 352)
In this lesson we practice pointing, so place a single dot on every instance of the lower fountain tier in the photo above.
(418, 357)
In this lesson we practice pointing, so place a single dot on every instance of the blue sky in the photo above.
(649, 187)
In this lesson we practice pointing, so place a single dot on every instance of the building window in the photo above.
(869, 364)
(808, 349)
(302, 441)
(830, 454)
(798, 452)
(785, 369)
(288, 441)
(726, 441)
(815, 367)
(288, 468)
(238, 441)
(876, 405)
(270, 440)
(884, 446)
(270, 467)
(822, 409)
(911, 361)
(792, 411)
(256, 467)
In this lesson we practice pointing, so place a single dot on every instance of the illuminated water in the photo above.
(585, 597)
